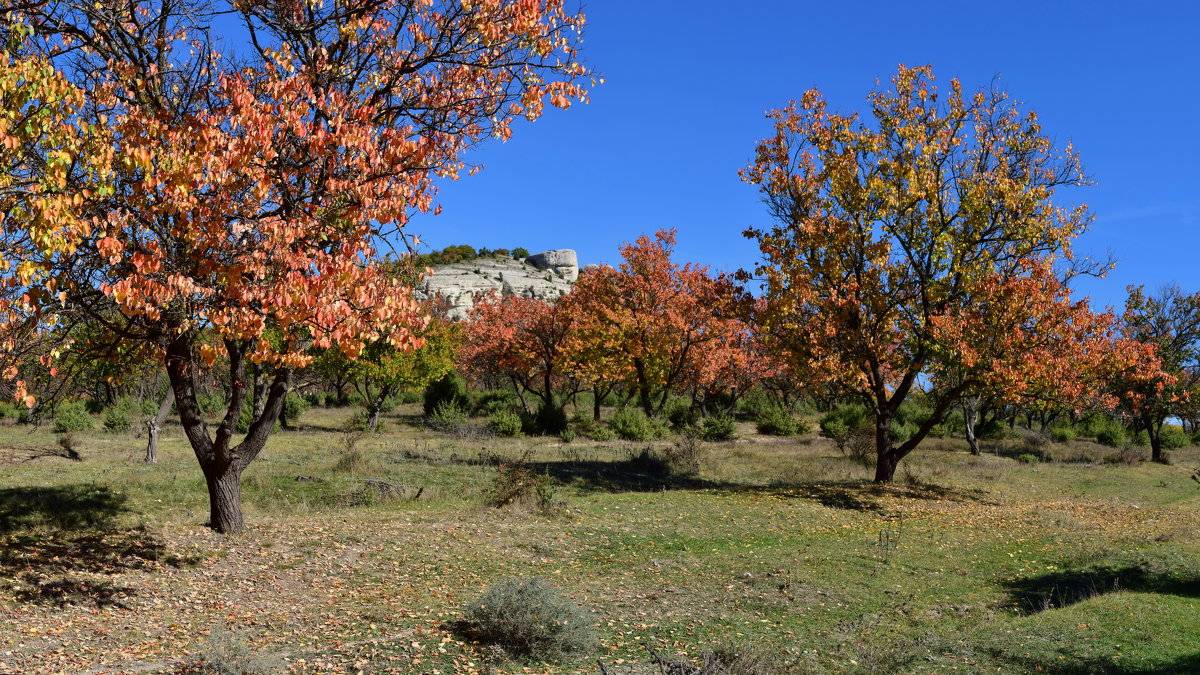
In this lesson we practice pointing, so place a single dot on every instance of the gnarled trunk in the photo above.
(154, 426)
(224, 497)
(970, 417)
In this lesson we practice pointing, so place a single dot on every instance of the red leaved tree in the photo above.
(250, 192)
(651, 318)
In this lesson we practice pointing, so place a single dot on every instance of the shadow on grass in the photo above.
(1067, 587)
(1102, 666)
(57, 543)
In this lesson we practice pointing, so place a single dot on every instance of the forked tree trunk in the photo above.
(885, 455)
(222, 462)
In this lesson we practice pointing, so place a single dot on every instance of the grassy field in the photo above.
(780, 548)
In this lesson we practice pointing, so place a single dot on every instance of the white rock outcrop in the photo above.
(545, 276)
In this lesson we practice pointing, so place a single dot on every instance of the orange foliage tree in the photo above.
(521, 340)
(651, 319)
(233, 195)
(923, 240)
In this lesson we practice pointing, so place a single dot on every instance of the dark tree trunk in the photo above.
(885, 455)
(597, 397)
(222, 462)
(224, 497)
(643, 388)
(1154, 431)
(260, 390)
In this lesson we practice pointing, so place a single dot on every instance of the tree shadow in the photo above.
(624, 476)
(57, 545)
(66, 507)
(1064, 588)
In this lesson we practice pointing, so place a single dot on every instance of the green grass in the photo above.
(967, 564)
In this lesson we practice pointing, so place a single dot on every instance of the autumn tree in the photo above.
(1168, 323)
(171, 191)
(653, 316)
(382, 370)
(521, 340)
(913, 240)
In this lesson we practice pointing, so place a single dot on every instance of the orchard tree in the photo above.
(172, 192)
(653, 316)
(520, 340)
(1168, 323)
(381, 370)
(906, 242)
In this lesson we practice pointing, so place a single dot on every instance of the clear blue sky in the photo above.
(688, 82)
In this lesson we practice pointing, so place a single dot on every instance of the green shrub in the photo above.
(316, 398)
(505, 423)
(841, 422)
(149, 406)
(246, 418)
(117, 420)
(528, 618)
(549, 419)
(518, 485)
(520, 253)
(1062, 434)
(776, 421)
(9, 411)
(93, 406)
(680, 414)
(902, 431)
(490, 402)
(451, 388)
(755, 404)
(567, 436)
(991, 430)
(212, 403)
(1028, 458)
(1174, 438)
(1113, 434)
(407, 396)
(293, 407)
(633, 425)
(449, 415)
(601, 433)
(71, 416)
(718, 428)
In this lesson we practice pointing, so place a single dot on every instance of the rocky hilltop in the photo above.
(546, 276)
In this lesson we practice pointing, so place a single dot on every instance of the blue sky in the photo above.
(687, 84)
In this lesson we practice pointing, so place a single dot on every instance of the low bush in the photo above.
(683, 456)
(776, 421)
(451, 388)
(991, 430)
(448, 416)
(71, 416)
(841, 422)
(633, 425)
(293, 407)
(601, 433)
(491, 402)
(212, 403)
(1112, 434)
(549, 419)
(1174, 438)
(528, 618)
(518, 485)
(117, 420)
(224, 653)
(680, 414)
(718, 428)
(1062, 434)
(505, 423)
(567, 436)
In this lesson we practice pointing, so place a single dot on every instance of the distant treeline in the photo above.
(466, 253)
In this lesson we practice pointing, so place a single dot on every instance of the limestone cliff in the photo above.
(546, 276)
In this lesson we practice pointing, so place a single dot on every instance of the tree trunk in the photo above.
(260, 390)
(885, 457)
(373, 420)
(225, 497)
(970, 416)
(597, 397)
(154, 426)
(885, 467)
(643, 388)
(1154, 431)
(221, 462)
